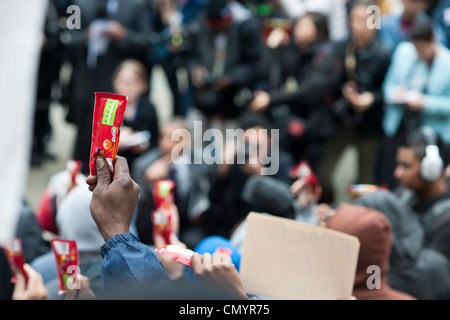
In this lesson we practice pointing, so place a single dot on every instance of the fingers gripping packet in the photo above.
(163, 199)
(109, 111)
(14, 253)
(176, 253)
(67, 263)
(303, 169)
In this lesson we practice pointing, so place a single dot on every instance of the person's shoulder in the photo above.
(405, 46)
(444, 53)
(405, 51)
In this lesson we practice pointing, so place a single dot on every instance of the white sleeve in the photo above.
(293, 8)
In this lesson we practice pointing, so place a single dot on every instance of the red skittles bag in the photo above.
(163, 199)
(109, 110)
(67, 263)
(14, 253)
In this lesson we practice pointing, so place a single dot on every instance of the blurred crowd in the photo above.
(311, 77)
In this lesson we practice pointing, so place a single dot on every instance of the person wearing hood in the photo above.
(374, 232)
(419, 213)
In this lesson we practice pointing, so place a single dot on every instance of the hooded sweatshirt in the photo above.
(374, 232)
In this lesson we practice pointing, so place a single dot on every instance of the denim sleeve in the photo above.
(130, 264)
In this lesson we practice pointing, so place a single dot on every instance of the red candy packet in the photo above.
(14, 253)
(303, 169)
(109, 110)
(74, 169)
(67, 262)
(176, 253)
(224, 251)
(163, 200)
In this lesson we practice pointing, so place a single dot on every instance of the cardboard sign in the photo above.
(290, 260)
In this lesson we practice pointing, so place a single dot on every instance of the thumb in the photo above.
(159, 241)
(103, 173)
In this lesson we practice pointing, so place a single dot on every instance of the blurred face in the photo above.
(128, 83)
(425, 50)
(361, 34)
(407, 171)
(412, 7)
(165, 143)
(305, 32)
(256, 137)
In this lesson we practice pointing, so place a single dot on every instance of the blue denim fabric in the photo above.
(128, 263)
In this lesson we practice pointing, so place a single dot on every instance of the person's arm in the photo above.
(436, 105)
(395, 81)
(311, 91)
(441, 235)
(127, 262)
(136, 37)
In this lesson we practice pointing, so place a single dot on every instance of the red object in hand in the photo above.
(67, 262)
(177, 253)
(109, 110)
(163, 198)
(14, 254)
(303, 169)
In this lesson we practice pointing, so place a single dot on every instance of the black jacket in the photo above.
(371, 66)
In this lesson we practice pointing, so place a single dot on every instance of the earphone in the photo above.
(432, 165)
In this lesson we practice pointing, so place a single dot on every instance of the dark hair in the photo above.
(251, 119)
(420, 138)
(422, 29)
(362, 3)
(217, 9)
(320, 21)
(138, 67)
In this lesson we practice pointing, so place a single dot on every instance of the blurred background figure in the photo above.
(166, 19)
(190, 190)
(361, 63)
(241, 161)
(374, 232)
(294, 84)
(52, 56)
(111, 31)
(396, 26)
(335, 10)
(221, 54)
(140, 127)
(416, 90)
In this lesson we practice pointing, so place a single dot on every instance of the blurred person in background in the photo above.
(396, 26)
(294, 84)
(361, 64)
(416, 90)
(221, 54)
(166, 20)
(52, 56)
(140, 127)
(111, 31)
